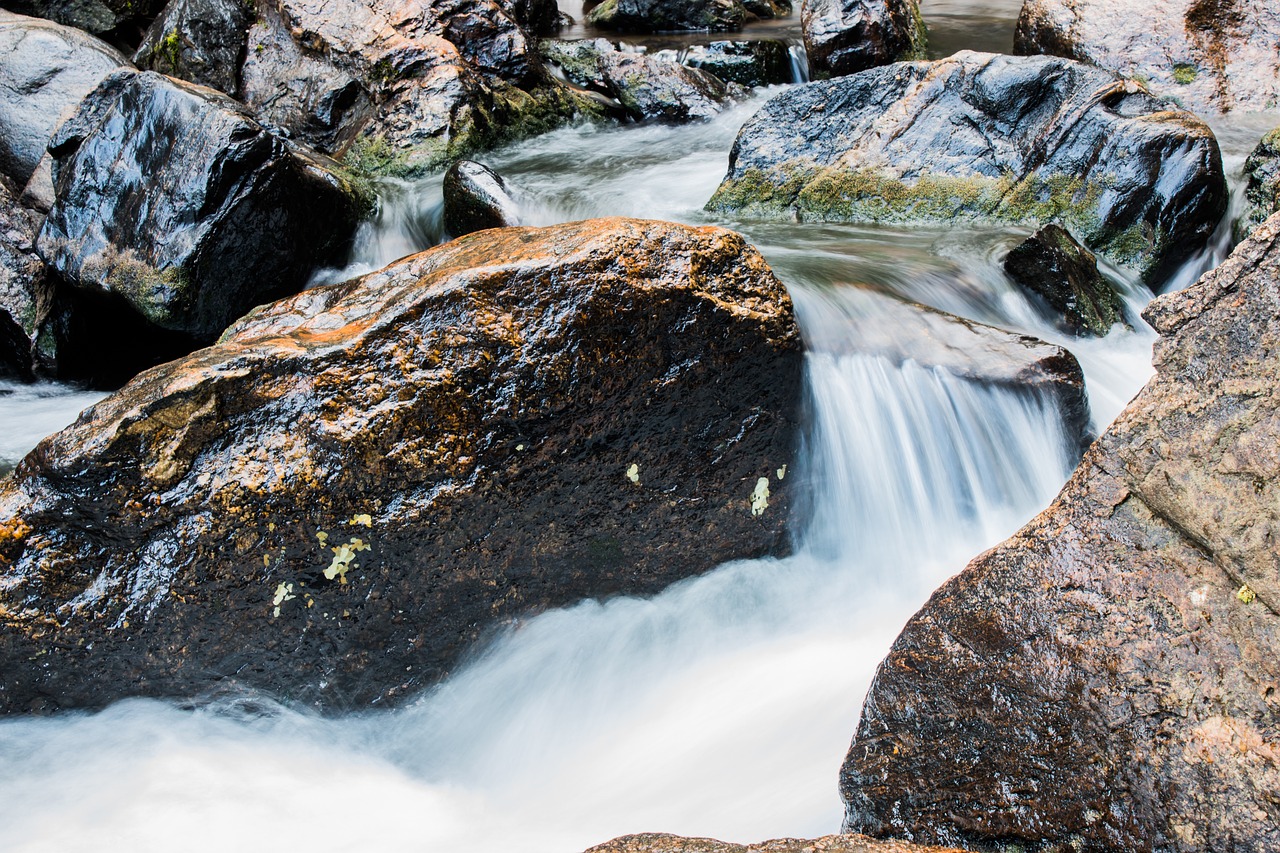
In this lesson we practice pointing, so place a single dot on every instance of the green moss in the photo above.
(603, 15)
(1184, 73)
(165, 55)
(919, 48)
(160, 295)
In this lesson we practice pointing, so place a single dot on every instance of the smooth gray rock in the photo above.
(847, 36)
(46, 69)
(1028, 140)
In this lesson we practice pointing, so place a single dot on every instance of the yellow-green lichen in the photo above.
(1246, 594)
(344, 556)
(1184, 73)
(760, 497)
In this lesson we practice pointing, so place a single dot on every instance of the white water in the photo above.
(722, 707)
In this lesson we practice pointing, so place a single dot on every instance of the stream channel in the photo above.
(722, 707)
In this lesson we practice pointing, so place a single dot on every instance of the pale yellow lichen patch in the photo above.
(363, 519)
(322, 536)
(760, 497)
(782, 473)
(633, 473)
(1246, 595)
(284, 592)
(266, 560)
(344, 556)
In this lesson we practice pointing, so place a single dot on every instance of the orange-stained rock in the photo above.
(1106, 679)
(339, 498)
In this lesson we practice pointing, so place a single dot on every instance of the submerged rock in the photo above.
(476, 198)
(978, 136)
(658, 843)
(191, 234)
(644, 87)
(1262, 185)
(1106, 678)
(1063, 276)
(202, 41)
(1212, 55)
(341, 497)
(647, 16)
(759, 62)
(847, 36)
(26, 293)
(46, 70)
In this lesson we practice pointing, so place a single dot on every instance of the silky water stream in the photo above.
(722, 707)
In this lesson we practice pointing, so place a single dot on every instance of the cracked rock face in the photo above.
(1214, 55)
(337, 500)
(1106, 678)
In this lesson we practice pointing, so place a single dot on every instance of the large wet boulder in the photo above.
(1062, 276)
(1209, 55)
(336, 501)
(1107, 678)
(26, 292)
(44, 72)
(660, 843)
(476, 198)
(644, 87)
(848, 36)
(191, 233)
(401, 89)
(1262, 185)
(1027, 140)
(202, 41)
(648, 16)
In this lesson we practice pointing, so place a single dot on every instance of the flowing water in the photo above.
(722, 707)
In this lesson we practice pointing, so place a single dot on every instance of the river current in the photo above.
(722, 707)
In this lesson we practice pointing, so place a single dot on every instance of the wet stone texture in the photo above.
(202, 41)
(1262, 185)
(847, 36)
(26, 292)
(476, 198)
(190, 234)
(647, 16)
(357, 484)
(1062, 277)
(658, 843)
(1106, 678)
(1208, 55)
(978, 136)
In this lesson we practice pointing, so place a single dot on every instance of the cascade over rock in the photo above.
(46, 70)
(192, 233)
(980, 136)
(847, 36)
(338, 499)
(1208, 55)
(1106, 678)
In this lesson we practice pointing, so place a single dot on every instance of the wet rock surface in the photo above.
(659, 843)
(846, 36)
(190, 234)
(1262, 185)
(476, 198)
(644, 87)
(118, 21)
(46, 70)
(336, 501)
(26, 292)
(647, 16)
(1209, 55)
(202, 41)
(1063, 277)
(1106, 678)
(762, 62)
(985, 137)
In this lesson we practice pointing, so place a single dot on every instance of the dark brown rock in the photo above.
(1061, 275)
(201, 41)
(977, 136)
(1262, 185)
(191, 234)
(657, 843)
(46, 70)
(847, 36)
(1106, 679)
(512, 421)
(1209, 55)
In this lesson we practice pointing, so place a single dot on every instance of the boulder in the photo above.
(848, 36)
(476, 198)
(407, 88)
(46, 70)
(192, 233)
(1262, 185)
(762, 62)
(659, 843)
(115, 20)
(1208, 55)
(1062, 276)
(26, 293)
(202, 41)
(1106, 678)
(354, 485)
(648, 16)
(984, 137)
(644, 87)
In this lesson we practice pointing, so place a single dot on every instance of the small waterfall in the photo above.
(799, 62)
